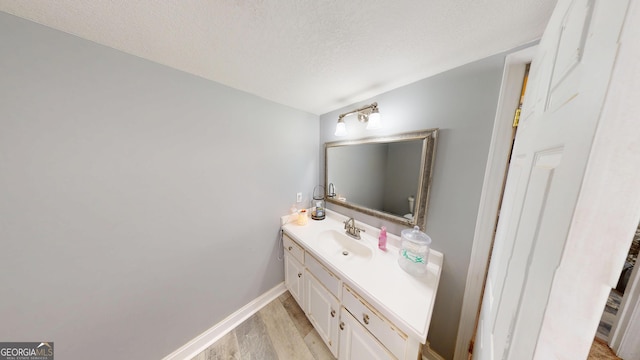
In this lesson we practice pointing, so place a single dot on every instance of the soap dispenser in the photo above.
(382, 239)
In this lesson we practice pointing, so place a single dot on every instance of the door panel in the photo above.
(322, 310)
(571, 45)
(533, 211)
(293, 277)
(503, 249)
(356, 343)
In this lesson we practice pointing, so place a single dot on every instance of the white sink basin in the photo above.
(342, 247)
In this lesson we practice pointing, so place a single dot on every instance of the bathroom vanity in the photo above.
(363, 305)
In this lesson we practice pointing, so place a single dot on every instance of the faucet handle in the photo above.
(356, 232)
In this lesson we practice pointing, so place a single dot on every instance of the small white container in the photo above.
(303, 218)
(414, 251)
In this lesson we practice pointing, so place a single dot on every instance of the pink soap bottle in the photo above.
(382, 239)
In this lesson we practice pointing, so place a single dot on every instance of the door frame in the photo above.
(625, 329)
(492, 186)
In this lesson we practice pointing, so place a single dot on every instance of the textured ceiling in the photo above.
(311, 55)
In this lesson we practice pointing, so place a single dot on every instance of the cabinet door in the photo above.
(381, 328)
(357, 343)
(294, 277)
(323, 311)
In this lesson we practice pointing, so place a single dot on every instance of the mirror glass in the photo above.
(387, 177)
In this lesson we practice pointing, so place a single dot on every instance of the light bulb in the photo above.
(341, 128)
(374, 122)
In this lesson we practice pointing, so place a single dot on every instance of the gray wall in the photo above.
(462, 103)
(139, 205)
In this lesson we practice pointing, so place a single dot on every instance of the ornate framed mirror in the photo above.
(387, 177)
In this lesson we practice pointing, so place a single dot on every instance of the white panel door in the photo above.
(323, 312)
(356, 343)
(568, 83)
(294, 277)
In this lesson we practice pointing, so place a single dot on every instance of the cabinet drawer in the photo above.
(357, 343)
(380, 327)
(326, 277)
(296, 250)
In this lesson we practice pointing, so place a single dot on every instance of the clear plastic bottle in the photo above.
(414, 251)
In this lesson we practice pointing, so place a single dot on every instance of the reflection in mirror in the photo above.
(388, 177)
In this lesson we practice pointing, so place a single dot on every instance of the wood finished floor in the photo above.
(279, 331)
(599, 349)
(609, 315)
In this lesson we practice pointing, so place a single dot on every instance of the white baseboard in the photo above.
(429, 354)
(207, 338)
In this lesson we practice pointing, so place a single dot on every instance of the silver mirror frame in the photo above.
(429, 139)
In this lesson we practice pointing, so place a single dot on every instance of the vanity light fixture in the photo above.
(367, 114)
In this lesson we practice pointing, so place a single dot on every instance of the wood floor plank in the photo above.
(253, 340)
(226, 348)
(280, 331)
(201, 356)
(601, 351)
(285, 337)
(318, 348)
(297, 316)
(285, 295)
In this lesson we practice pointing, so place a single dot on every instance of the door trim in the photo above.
(495, 172)
(623, 336)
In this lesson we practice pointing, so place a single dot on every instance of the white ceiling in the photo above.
(315, 56)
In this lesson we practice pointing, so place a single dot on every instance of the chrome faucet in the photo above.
(351, 229)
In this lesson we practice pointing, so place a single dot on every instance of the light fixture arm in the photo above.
(367, 114)
(363, 112)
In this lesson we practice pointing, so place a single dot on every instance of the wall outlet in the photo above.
(299, 197)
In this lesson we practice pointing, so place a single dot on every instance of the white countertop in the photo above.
(404, 299)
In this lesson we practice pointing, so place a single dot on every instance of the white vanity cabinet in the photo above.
(294, 272)
(350, 326)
